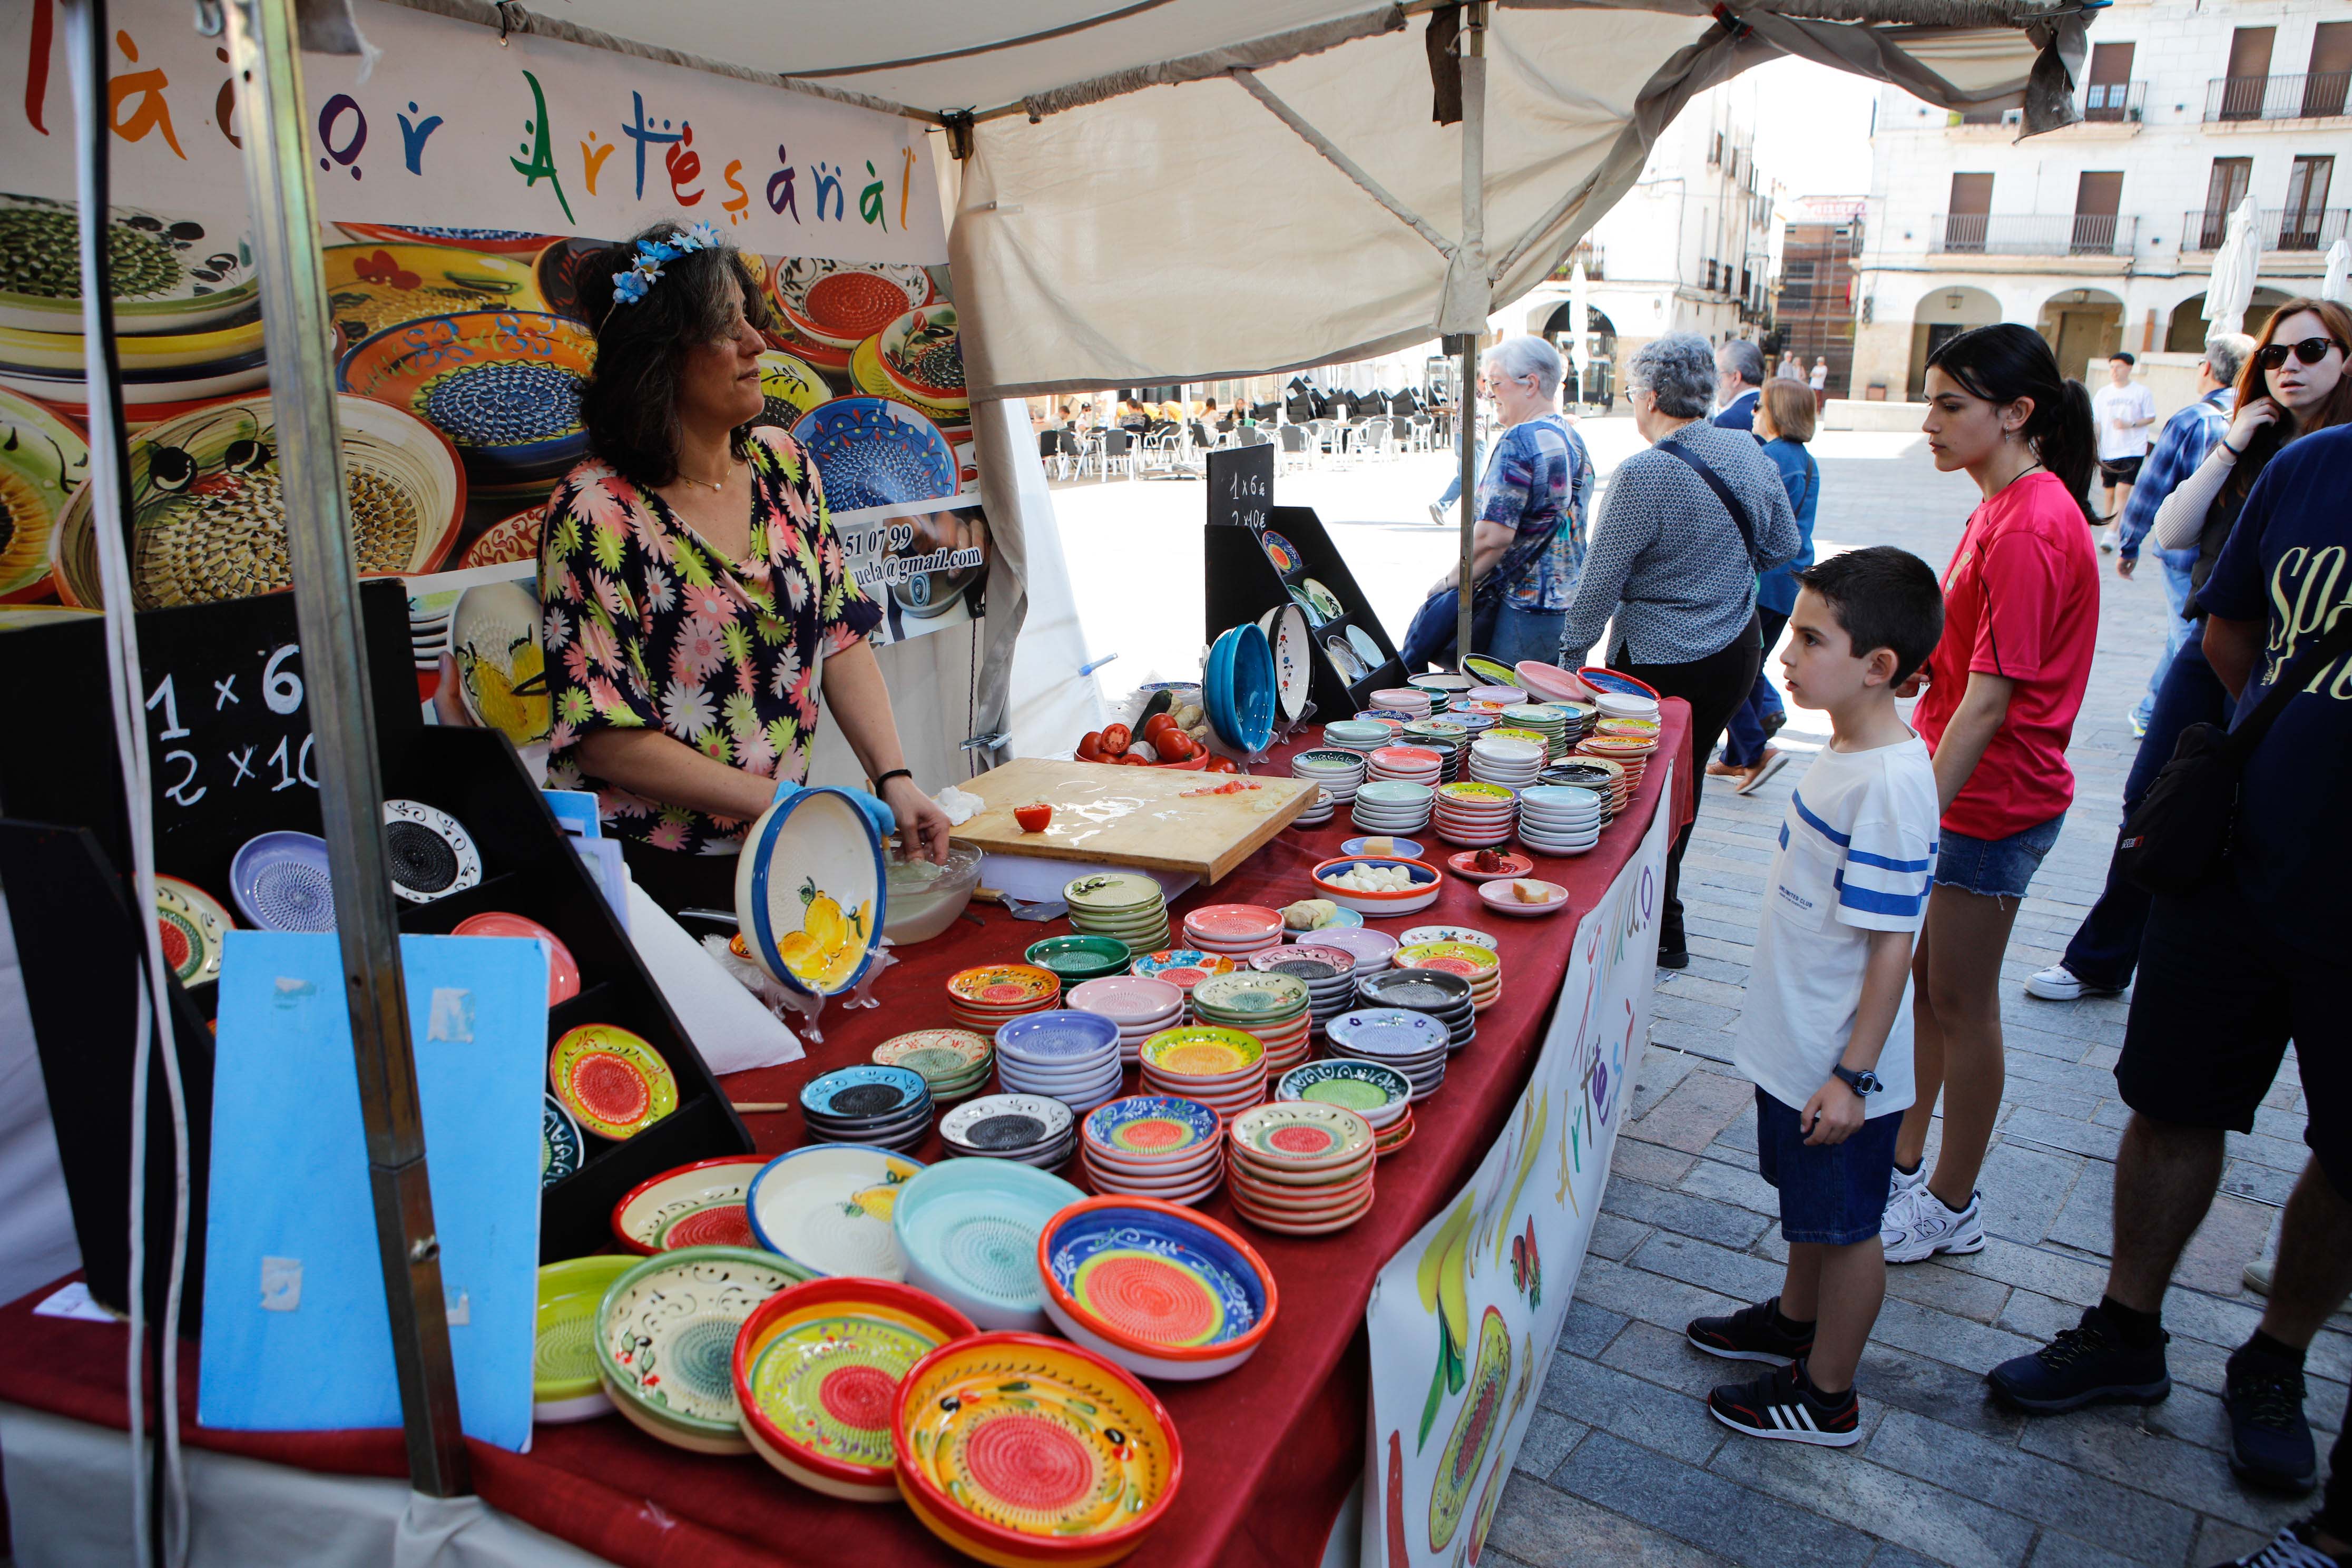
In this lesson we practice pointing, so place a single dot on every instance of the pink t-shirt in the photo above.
(2021, 600)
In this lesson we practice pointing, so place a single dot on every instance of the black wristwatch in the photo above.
(1865, 1083)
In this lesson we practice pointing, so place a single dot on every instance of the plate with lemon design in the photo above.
(809, 892)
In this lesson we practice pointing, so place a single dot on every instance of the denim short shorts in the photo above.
(1832, 1193)
(1999, 867)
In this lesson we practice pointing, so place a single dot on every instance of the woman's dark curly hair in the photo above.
(630, 404)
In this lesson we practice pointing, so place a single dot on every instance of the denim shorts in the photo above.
(1998, 868)
(1832, 1193)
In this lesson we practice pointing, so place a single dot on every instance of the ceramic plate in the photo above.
(1301, 1135)
(827, 1206)
(1280, 550)
(1151, 1126)
(502, 385)
(1365, 1087)
(1326, 602)
(428, 852)
(699, 1205)
(563, 969)
(563, 1384)
(665, 1335)
(501, 669)
(614, 1082)
(1001, 1121)
(171, 272)
(280, 882)
(1293, 671)
(1366, 649)
(1149, 1277)
(1113, 892)
(809, 891)
(190, 923)
(1343, 659)
(375, 285)
(43, 460)
(940, 1054)
(969, 1228)
(1387, 1032)
(1203, 1051)
(843, 303)
(1006, 985)
(560, 1149)
(871, 451)
(866, 1093)
(1500, 897)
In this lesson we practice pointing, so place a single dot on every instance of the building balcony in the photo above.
(2318, 96)
(2114, 101)
(2031, 234)
(1592, 253)
(2278, 228)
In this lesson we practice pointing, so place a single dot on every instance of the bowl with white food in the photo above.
(1379, 886)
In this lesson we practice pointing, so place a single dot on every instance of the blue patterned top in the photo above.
(1539, 474)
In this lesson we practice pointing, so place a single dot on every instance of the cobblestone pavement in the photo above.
(1623, 1465)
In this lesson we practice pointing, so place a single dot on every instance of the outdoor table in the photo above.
(1270, 1451)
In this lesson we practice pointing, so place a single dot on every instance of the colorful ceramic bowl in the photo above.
(840, 304)
(563, 1382)
(1204, 1055)
(1378, 1094)
(1161, 1290)
(970, 1229)
(563, 969)
(502, 385)
(187, 273)
(816, 1370)
(560, 1151)
(827, 1207)
(810, 890)
(700, 1204)
(613, 1082)
(43, 460)
(872, 451)
(191, 925)
(665, 1340)
(1080, 958)
(1016, 1447)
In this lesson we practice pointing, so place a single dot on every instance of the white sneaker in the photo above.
(1900, 1187)
(2059, 983)
(1928, 1229)
(1437, 514)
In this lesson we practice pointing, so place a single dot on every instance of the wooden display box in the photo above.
(1242, 584)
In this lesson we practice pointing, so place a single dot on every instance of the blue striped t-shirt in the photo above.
(1856, 855)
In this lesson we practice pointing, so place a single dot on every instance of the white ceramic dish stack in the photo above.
(1391, 806)
(1413, 1043)
(1337, 771)
(1329, 972)
(1558, 819)
(1067, 1054)
(1409, 701)
(1236, 930)
(1034, 1129)
(1507, 760)
(1369, 949)
(1142, 1007)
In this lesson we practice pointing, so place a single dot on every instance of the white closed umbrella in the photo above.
(2234, 266)
(2337, 285)
(1579, 321)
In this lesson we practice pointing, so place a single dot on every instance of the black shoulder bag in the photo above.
(1731, 503)
(2177, 839)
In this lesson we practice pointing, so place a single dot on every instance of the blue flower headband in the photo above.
(632, 286)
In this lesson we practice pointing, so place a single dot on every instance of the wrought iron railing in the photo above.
(2032, 233)
(2277, 228)
(2317, 95)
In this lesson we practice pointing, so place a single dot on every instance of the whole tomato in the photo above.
(1222, 764)
(1115, 737)
(1175, 746)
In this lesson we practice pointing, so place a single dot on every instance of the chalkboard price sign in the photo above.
(225, 748)
(1241, 485)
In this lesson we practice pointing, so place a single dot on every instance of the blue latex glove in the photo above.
(877, 811)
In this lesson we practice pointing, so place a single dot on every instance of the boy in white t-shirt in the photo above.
(1826, 1031)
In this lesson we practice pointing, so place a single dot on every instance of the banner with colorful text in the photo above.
(467, 185)
(1465, 1317)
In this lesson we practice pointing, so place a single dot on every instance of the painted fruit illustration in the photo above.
(831, 944)
(1473, 1430)
(1442, 1295)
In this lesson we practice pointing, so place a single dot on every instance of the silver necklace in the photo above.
(716, 486)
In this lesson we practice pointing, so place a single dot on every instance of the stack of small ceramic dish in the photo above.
(1449, 740)
(663, 1330)
(1339, 770)
(1074, 959)
(1391, 806)
(1138, 1006)
(1580, 717)
(1524, 897)
(1380, 1094)
(877, 1107)
(826, 1207)
(1415, 1044)
(1475, 815)
(970, 1229)
(955, 1062)
(1470, 934)
(994, 994)
(1161, 1290)
(1271, 1007)
(1030, 1128)
(1153, 1145)
(1414, 764)
(1182, 967)
(1425, 885)
(1385, 844)
(1067, 1054)
(1300, 1167)
(1410, 701)
(1603, 777)
(1627, 728)
(1126, 905)
(1629, 752)
(1544, 720)
(1390, 719)
(1481, 964)
(1445, 997)
(1319, 810)
(1627, 705)
(1357, 735)
(1503, 759)
(1444, 689)
(700, 1204)
(1080, 1473)
(1329, 973)
(1234, 930)
(1370, 949)
(1556, 819)
(1495, 696)
(1224, 1070)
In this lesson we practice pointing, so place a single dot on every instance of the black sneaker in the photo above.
(2083, 1366)
(2290, 1548)
(1752, 1333)
(1779, 1406)
(2270, 1441)
(1773, 721)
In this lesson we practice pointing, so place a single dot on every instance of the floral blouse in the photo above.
(1539, 476)
(648, 627)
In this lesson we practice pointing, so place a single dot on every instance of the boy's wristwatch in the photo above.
(1865, 1082)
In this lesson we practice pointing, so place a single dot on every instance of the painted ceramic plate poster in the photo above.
(467, 186)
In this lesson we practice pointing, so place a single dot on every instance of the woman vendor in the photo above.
(696, 598)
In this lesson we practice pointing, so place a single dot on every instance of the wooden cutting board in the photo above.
(1132, 816)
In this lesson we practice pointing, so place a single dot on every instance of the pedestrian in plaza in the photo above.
(1740, 382)
(1820, 383)
(2020, 621)
(1784, 418)
(1532, 511)
(2124, 409)
(2232, 971)
(2104, 948)
(1673, 561)
(1825, 1034)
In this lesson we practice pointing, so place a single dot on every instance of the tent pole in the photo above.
(265, 61)
(1474, 246)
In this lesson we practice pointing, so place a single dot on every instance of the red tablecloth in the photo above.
(1270, 1451)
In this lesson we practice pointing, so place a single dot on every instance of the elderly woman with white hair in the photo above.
(1529, 537)
(1674, 559)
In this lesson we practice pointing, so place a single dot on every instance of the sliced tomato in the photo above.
(1115, 737)
(1034, 817)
